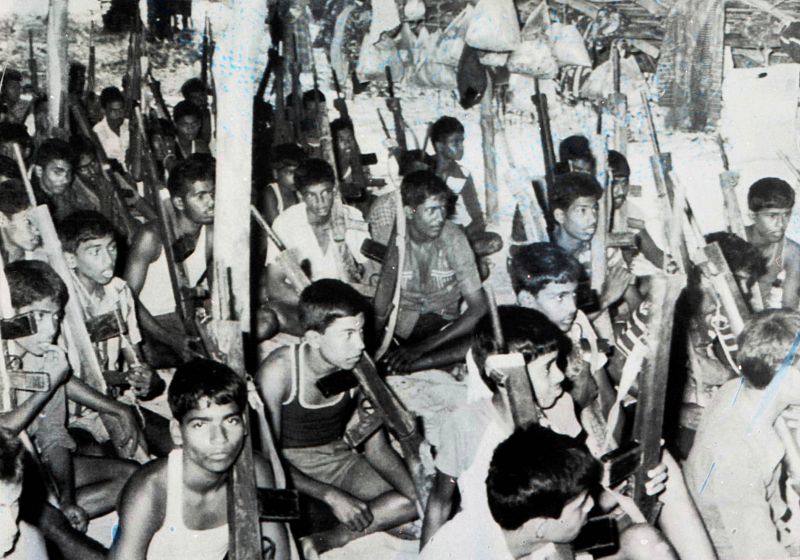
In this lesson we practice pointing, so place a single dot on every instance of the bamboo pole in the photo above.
(57, 61)
(489, 156)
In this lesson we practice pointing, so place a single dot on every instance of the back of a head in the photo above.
(199, 383)
(9, 168)
(568, 187)
(741, 256)
(13, 197)
(186, 109)
(11, 457)
(420, 185)
(192, 85)
(524, 485)
(618, 164)
(444, 127)
(575, 147)
(196, 167)
(525, 330)
(82, 226)
(34, 281)
(110, 95)
(314, 171)
(536, 265)
(770, 192)
(326, 300)
(765, 343)
(52, 150)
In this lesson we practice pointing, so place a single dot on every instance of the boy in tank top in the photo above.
(366, 492)
(176, 508)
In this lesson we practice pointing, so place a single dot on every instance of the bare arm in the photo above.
(270, 205)
(278, 287)
(465, 324)
(276, 533)
(440, 504)
(141, 513)
(145, 249)
(791, 286)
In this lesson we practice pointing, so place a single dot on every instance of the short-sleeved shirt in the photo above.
(381, 217)
(733, 473)
(436, 276)
(115, 145)
(292, 228)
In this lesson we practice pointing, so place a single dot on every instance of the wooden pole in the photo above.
(57, 61)
(489, 157)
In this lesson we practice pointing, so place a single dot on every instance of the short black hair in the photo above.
(196, 167)
(193, 85)
(418, 186)
(568, 187)
(770, 192)
(53, 149)
(12, 75)
(186, 109)
(9, 168)
(13, 197)
(618, 165)
(110, 95)
(199, 380)
(11, 457)
(340, 124)
(82, 226)
(81, 146)
(410, 159)
(313, 95)
(15, 132)
(444, 127)
(575, 147)
(32, 281)
(288, 154)
(765, 343)
(326, 300)
(536, 265)
(741, 255)
(313, 171)
(525, 330)
(523, 485)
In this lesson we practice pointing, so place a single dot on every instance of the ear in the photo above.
(71, 260)
(175, 432)
(559, 216)
(177, 202)
(313, 338)
(37, 170)
(526, 299)
(4, 221)
(408, 211)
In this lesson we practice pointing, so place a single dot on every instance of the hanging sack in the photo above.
(600, 82)
(534, 57)
(494, 26)
(374, 58)
(452, 42)
(494, 59)
(428, 73)
(414, 10)
(472, 79)
(567, 45)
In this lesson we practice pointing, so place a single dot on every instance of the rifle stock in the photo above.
(393, 104)
(293, 272)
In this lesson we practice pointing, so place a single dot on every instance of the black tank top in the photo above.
(304, 426)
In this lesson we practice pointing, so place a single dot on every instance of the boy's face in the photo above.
(451, 147)
(211, 435)
(546, 379)
(573, 516)
(9, 515)
(342, 343)
(94, 260)
(20, 230)
(188, 127)
(55, 177)
(771, 223)
(115, 113)
(285, 175)
(319, 201)
(580, 219)
(87, 168)
(198, 203)
(12, 90)
(428, 219)
(48, 314)
(619, 191)
(556, 300)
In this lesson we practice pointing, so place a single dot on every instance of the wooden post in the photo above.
(489, 156)
(57, 61)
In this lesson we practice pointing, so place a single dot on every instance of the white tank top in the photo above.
(173, 541)
(156, 294)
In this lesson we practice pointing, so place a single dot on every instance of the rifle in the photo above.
(322, 124)
(283, 132)
(297, 110)
(79, 345)
(262, 84)
(183, 293)
(205, 54)
(548, 153)
(133, 97)
(90, 75)
(158, 97)
(393, 104)
(32, 66)
(293, 272)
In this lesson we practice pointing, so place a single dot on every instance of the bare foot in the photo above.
(307, 549)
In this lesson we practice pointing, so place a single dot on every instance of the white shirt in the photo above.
(115, 145)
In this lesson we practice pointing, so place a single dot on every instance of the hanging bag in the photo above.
(494, 26)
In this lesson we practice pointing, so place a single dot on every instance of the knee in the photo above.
(645, 542)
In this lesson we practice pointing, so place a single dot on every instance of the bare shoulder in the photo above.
(276, 368)
(147, 483)
(147, 242)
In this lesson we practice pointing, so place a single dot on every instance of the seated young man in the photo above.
(90, 249)
(19, 236)
(191, 189)
(367, 492)
(188, 120)
(18, 539)
(53, 181)
(282, 192)
(537, 505)
(438, 274)
(17, 109)
(324, 244)
(770, 201)
(177, 507)
(737, 466)
(194, 91)
(112, 131)
(87, 487)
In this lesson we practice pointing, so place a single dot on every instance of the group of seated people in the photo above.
(84, 446)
